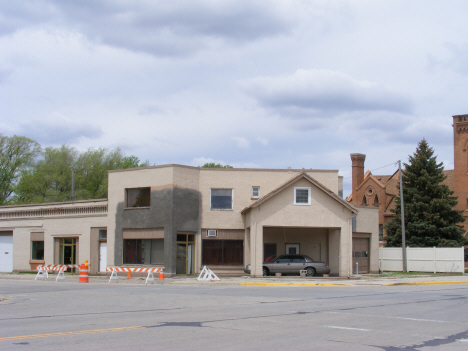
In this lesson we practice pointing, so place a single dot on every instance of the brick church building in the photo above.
(380, 190)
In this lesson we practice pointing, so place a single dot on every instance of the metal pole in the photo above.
(402, 205)
(73, 186)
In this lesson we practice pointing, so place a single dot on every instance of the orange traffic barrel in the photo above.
(84, 273)
(161, 274)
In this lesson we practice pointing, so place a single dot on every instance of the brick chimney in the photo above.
(358, 174)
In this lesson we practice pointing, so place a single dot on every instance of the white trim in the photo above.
(258, 192)
(309, 195)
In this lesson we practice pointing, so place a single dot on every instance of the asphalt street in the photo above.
(67, 315)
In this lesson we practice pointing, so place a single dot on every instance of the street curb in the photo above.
(355, 285)
(429, 283)
(295, 284)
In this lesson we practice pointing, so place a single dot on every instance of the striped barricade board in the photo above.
(150, 272)
(42, 270)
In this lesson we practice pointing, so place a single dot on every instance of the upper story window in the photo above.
(255, 191)
(376, 201)
(301, 196)
(138, 197)
(221, 199)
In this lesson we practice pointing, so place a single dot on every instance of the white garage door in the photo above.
(6, 253)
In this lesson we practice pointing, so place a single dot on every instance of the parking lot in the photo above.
(51, 316)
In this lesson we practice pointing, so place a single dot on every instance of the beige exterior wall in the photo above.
(242, 181)
(58, 220)
(367, 224)
(322, 228)
(324, 214)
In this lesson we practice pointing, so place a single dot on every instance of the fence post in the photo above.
(435, 259)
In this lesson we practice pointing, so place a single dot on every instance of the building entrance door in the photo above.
(185, 253)
(67, 254)
(102, 256)
(361, 255)
(6, 253)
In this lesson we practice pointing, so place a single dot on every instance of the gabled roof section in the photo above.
(301, 175)
(369, 175)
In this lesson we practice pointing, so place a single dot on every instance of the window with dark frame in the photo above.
(223, 252)
(37, 250)
(143, 251)
(221, 199)
(138, 197)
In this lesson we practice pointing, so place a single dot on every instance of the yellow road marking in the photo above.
(19, 337)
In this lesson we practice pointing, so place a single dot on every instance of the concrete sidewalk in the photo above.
(362, 280)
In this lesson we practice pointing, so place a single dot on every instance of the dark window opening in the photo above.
(37, 250)
(143, 251)
(223, 252)
(139, 197)
(102, 234)
(221, 199)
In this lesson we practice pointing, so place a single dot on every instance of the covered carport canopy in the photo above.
(318, 226)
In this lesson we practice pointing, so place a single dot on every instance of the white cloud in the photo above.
(57, 129)
(318, 90)
(158, 27)
(241, 142)
(161, 78)
(262, 141)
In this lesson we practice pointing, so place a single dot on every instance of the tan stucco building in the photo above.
(184, 218)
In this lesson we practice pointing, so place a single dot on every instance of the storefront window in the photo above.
(223, 252)
(143, 251)
(37, 250)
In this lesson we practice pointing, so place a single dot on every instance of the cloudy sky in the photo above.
(269, 84)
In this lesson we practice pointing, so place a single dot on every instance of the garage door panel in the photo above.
(6, 253)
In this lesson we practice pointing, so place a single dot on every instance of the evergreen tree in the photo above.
(430, 219)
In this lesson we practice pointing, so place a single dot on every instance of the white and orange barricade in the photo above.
(150, 271)
(207, 275)
(43, 270)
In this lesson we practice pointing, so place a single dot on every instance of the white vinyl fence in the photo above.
(423, 259)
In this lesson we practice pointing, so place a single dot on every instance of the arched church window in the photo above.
(364, 201)
(376, 201)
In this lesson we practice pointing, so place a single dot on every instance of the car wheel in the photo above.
(266, 272)
(310, 271)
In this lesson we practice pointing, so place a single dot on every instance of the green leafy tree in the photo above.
(17, 153)
(215, 165)
(430, 219)
(50, 180)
